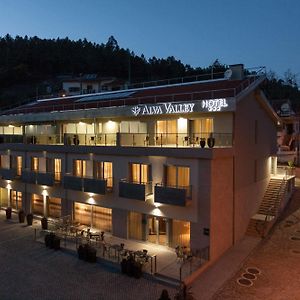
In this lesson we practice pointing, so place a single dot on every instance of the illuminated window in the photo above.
(79, 168)
(57, 169)
(34, 164)
(178, 176)
(166, 126)
(19, 165)
(37, 204)
(16, 200)
(54, 207)
(104, 170)
(203, 126)
(140, 173)
(93, 216)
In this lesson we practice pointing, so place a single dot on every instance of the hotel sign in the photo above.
(164, 108)
(209, 105)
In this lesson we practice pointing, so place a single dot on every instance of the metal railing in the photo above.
(172, 97)
(193, 261)
(148, 185)
(187, 188)
(176, 139)
(272, 211)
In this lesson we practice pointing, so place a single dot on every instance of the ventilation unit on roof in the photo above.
(228, 74)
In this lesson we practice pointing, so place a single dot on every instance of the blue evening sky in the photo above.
(256, 32)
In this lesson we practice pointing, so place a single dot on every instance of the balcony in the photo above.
(28, 176)
(8, 174)
(96, 186)
(173, 195)
(73, 183)
(11, 138)
(134, 190)
(176, 140)
(100, 139)
(89, 185)
(45, 179)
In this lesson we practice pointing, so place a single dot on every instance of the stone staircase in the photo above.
(261, 223)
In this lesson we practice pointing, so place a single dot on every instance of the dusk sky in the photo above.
(256, 33)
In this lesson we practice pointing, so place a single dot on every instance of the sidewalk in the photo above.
(277, 257)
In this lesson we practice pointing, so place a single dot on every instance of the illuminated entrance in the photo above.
(157, 230)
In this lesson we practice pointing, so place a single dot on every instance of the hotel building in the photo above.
(178, 164)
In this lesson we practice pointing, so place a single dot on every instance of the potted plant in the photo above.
(211, 141)
(8, 213)
(29, 219)
(202, 142)
(21, 215)
(44, 223)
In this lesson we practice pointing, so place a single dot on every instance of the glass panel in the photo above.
(34, 164)
(161, 126)
(37, 204)
(144, 173)
(183, 176)
(152, 230)
(181, 233)
(171, 176)
(135, 173)
(79, 168)
(135, 226)
(54, 207)
(102, 218)
(162, 231)
(57, 169)
(108, 173)
(82, 213)
(16, 200)
(19, 165)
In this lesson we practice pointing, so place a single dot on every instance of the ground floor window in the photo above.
(93, 216)
(180, 233)
(37, 204)
(16, 200)
(135, 229)
(4, 197)
(54, 207)
(158, 230)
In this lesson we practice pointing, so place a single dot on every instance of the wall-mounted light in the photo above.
(91, 201)
(11, 126)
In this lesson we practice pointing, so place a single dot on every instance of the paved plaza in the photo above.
(29, 270)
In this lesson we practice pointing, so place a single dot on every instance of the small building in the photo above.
(89, 84)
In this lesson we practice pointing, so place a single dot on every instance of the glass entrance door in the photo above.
(157, 230)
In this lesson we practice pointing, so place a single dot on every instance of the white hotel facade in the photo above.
(136, 163)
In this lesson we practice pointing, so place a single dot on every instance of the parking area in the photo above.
(29, 270)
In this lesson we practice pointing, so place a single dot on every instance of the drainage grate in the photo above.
(244, 282)
(295, 238)
(249, 276)
(253, 271)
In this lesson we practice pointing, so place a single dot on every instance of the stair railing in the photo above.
(273, 210)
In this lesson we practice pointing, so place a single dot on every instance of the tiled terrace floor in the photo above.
(29, 270)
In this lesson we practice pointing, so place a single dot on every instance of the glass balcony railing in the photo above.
(88, 184)
(203, 140)
(173, 195)
(135, 190)
(100, 139)
(177, 140)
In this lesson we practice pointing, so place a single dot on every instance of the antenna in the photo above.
(228, 74)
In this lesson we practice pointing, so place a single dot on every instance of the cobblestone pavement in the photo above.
(278, 259)
(31, 271)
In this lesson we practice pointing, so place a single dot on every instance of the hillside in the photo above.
(30, 65)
